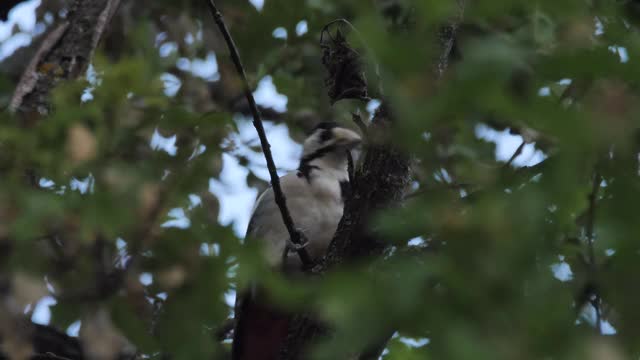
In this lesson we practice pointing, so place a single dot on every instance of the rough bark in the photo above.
(64, 55)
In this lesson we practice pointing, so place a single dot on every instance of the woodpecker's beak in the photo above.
(346, 138)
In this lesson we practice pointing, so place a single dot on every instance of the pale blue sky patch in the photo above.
(206, 68)
(599, 30)
(194, 201)
(7, 47)
(46, 183)
(372, 106)
(178, 219)
(286, 152)
(146, 279)
(280, 33)
(210, 249)
(414, 342)
(258, 4)
(621, 51)
(199, 150)
(189, 38)
(230, 300)
(160, 37)
(167, 49)
(183, 64)
(302, 27)
(41, 313)
(562, 270)
(544, 91)
(87, 94)
(267, 95)
(74, 329)
(48, 18)
(166, 144)
(95, 79)
(235, 196)
(417, 241)
(172, 84)
(589, 314)
(506, 145)
(82, 185)
(23, 16)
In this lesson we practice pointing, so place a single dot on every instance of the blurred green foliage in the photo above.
(473, 254)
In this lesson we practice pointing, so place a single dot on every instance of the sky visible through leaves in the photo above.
(236, 198)
(233, 187)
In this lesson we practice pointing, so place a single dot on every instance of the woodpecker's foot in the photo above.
(304, 241)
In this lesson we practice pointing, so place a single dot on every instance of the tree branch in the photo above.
(281, 201)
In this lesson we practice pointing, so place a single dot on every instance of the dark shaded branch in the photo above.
(296, 235)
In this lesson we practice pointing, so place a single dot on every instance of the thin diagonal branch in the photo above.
(515, 154)
(295, 235)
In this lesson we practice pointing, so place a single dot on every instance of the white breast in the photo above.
(316, 207)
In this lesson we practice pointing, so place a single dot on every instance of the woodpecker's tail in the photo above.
(261, 329)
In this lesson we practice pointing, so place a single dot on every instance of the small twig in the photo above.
(593, 266)
(266, 148)
(515, 154)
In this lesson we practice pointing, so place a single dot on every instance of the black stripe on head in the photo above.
(325, 129)
(317, 154)
(326, 135)
(304, 170)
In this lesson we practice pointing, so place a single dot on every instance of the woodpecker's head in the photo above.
(329, 143)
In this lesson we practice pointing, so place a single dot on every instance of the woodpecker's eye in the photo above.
(326, 135)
